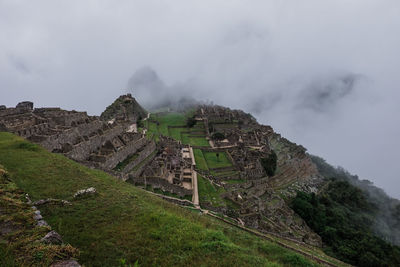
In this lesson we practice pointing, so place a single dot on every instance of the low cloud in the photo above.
(322, 73)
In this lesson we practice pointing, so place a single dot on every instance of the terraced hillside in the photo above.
(122, 224)
(239, 184)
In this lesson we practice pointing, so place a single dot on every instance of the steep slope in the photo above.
(123, 224)
(20, 232)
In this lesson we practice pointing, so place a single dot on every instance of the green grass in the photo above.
(19, 244)
(198, 141)
(201, 162)
(181, 133)
(209, 192)
(166, 193)
(176, 133)
(224, 174)
(217, 162)
(235, 181)
(124, 222)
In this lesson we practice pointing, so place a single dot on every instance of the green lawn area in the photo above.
(125, 223)
(198, 141)
(209, 192)
(200, 160)
(217, 162)
(180, 134)
(224, 174)
(176, 133)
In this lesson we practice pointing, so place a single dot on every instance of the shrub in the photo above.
(218, 136)
(190, 122)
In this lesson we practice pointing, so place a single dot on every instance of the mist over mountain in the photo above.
(147, 86)
(323, 73)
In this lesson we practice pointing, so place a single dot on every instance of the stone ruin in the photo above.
(83, 138)
(171, 170)
(114, 145)
(258, 198)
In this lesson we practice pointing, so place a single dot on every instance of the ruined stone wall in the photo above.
(164, 185)
(70, 135)
(57, 116)
(83, 150)
(139, 171)
(148, 149)
(123, 153)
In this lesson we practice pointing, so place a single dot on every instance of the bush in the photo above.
(217, 136)
(190, 122)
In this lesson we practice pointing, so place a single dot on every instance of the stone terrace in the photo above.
(83, 138)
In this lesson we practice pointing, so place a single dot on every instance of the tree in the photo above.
(218, 136)
(190, 122)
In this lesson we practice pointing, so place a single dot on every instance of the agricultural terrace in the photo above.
(174, 125)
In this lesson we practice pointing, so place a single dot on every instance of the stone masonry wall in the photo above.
(123, 153)
(142, 155)
(83, 150)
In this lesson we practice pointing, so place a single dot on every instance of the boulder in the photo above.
(52, 237)
(85, 192)
(26, 105)
(42, 223)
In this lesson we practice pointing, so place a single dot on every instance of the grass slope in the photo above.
(125, 224)
(217, 162)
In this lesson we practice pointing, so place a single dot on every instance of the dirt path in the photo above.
(195, 198)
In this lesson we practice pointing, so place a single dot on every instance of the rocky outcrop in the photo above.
(52, 237)
(124, 108)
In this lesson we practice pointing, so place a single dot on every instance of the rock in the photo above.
(83, 192)
(37, 217)
(51, 200)
(52, 237)
(28, 199)
(42, 223)
(26, 105)
(66, 263)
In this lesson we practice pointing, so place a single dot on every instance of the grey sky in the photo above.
(325, 74)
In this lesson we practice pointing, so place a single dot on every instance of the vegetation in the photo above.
(343, 218)
(387, 215)
(208, 193)
(19, 238)
(218, 136)
(269, 163)
(214, 161)
(120, 166)
(123, 223)
(190, 122)
(201, 162)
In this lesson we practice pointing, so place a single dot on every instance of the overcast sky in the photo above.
(325, 74)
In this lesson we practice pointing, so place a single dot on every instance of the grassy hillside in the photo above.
(123, 224)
